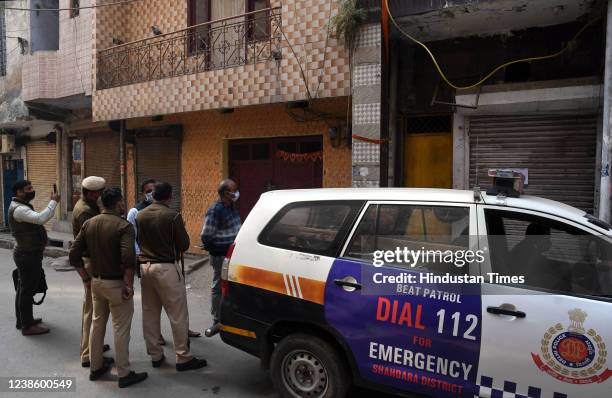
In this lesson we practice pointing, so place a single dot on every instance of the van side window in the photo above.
(311, 227)
(415, 227)
(550, 254)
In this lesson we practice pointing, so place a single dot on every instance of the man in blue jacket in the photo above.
(221, 225)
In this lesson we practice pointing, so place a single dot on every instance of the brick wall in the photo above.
(304, 23)
(203, 161)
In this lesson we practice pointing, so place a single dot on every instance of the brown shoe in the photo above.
(194, 333)
(34, 330)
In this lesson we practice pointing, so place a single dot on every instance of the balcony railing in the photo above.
(244, 39)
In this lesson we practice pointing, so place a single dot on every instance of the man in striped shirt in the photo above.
(221, 225)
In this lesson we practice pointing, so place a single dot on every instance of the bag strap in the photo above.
(41, 300)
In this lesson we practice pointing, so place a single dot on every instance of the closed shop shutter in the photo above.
(41, 158)
(158, 157)
(102, 157)
(558, 150)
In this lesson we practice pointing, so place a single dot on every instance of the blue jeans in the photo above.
(215, 302)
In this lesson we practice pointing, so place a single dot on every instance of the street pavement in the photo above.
(230, 372)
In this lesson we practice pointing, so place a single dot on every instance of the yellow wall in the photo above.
(203, 159)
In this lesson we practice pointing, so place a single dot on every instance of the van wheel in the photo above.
(307, 366)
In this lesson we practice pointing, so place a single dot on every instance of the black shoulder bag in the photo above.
(42, 285)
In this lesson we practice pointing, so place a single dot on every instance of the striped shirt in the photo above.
(221, 225)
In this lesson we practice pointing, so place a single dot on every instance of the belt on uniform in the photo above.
(157, 262)
(109, 277)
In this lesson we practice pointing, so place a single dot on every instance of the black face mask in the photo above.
(30, 195)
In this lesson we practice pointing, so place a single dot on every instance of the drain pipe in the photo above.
(605, 193)
(122, 162)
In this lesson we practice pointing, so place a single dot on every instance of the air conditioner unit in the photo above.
(8, 143)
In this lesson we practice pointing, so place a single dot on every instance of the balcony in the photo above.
(225, 43)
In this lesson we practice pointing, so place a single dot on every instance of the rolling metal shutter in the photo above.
(158, 157)
(558, 150)
(41, 158)
(102, 157)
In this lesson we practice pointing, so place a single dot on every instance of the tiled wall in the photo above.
(203, 161)
(366, 107)
(67, 72)
(304, 23)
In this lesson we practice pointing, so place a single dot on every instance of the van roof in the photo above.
(425, 194)
(282, 197)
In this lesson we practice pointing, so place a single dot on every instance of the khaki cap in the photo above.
(93, 183)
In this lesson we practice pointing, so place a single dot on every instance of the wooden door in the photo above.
(261, 165)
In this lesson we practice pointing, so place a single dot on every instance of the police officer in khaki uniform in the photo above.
(109, 240)
(84, 209)
(162, 238)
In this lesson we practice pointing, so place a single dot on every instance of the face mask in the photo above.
(30, 195)
(149, 197)
(236, 196)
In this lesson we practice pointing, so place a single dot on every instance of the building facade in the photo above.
(541, 116)
(205, 90)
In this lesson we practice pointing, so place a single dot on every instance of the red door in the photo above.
(261, 165)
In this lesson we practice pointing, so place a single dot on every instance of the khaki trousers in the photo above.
(163, 286)
(107, 299)
(86, 316)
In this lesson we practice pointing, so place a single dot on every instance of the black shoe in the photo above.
(106, 348)
(105, 361)
(132, 378)
(195, 363)
(36, 322)
(96, 374)
(157, 364)
(213, 330)
(35, 330)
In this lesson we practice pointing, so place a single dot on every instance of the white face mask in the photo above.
(149, 197)
(236, 196)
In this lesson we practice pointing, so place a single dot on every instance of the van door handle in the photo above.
(505, 311)
(348, 283)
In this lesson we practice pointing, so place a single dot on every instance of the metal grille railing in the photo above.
(369, 4)
(244, 39)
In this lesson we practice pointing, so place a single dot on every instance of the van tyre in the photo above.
(306, 366)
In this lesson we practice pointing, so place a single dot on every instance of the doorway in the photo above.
(261, 165)
(13, 172)
(428, 152)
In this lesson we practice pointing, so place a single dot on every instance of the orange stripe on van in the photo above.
(312, 290)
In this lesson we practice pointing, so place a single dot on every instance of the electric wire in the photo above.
(490, 74)
(116, 3)
(322, 71)
(298, 62)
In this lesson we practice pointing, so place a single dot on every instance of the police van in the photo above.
(422, 292)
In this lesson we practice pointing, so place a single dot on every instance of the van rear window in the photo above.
(311, 227)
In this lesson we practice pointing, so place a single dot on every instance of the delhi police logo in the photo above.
(574, 355)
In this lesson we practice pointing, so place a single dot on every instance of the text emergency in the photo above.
(420, 361)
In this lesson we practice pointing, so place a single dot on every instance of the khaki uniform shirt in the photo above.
(82, 212)
(109, 240)
(161, 234)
